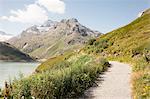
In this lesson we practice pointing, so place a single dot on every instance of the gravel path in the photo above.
(114, 84)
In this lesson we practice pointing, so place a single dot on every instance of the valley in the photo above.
(76, 59)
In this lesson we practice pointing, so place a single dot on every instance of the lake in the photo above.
(10, 70)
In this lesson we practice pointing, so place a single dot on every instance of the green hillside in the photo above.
(131, 40)
(10, 53)
(130, 44)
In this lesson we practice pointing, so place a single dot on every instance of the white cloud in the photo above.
(55, 6)
(35, 13)
(31, 14)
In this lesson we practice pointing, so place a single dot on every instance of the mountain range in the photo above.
(53, 38)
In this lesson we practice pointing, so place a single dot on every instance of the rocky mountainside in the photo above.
(10, 53)
(53, 38)
(4, 36)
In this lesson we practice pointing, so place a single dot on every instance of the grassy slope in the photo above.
(131, 44)
(135, 36)
(50, 62)
(10, 53)
(55, 47)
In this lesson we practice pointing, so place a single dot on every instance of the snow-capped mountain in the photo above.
(38, 29)
(53, 38)
(4, 36)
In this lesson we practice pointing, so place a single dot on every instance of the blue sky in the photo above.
(101, 15)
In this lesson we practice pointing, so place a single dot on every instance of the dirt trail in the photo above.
(114, 84)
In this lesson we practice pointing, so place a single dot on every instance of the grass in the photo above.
(50, 62)
(65, 76)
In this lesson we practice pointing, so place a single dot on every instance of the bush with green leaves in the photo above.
(63, 80)
(91, 41)
(97, 46)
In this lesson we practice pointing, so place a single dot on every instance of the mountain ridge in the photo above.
(10, 53)
(53, 38)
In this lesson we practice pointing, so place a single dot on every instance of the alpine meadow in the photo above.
(58, 54)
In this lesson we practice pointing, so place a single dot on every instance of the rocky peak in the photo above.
(72, 20)
(73, 27)
(66, 26)
(37, 29)
(49, 23)
(33, 28)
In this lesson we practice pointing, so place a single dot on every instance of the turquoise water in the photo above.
(10, 70)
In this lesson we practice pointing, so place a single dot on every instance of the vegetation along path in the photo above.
(114, 84)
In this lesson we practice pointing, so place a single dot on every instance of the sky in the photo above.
(101, 15)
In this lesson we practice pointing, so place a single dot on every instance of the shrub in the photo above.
(22, 89)
(97, 46)
(91, 41)
(62, 80)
